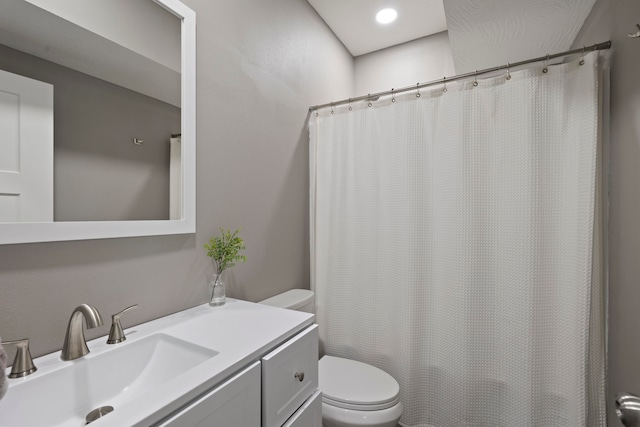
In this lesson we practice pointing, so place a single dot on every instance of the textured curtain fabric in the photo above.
(455, 244)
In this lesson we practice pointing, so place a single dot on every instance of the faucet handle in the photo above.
(23, 362)
(116, 334)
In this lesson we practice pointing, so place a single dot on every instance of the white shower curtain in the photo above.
(175, 178)
(455, 243)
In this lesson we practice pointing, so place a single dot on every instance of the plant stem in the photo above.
(215, 283)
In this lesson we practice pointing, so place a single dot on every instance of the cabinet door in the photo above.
(289, 377)
(234, 403)
(309, 414)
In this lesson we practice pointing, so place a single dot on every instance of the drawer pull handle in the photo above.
(299, 376)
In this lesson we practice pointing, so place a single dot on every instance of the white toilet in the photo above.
(353, 393)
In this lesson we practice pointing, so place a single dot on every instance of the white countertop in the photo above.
(239, 331)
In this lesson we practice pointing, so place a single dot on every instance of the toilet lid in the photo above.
(355, 385)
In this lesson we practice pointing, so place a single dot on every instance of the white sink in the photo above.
(113, 377)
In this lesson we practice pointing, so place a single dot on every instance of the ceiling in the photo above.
(481, 33)
(487, 33)
(354, 22)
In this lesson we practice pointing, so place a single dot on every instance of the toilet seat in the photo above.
(354, 385)
(355, 407)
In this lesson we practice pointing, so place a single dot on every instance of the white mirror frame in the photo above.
(29, 232)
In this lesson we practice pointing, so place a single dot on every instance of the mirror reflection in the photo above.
(89, 111)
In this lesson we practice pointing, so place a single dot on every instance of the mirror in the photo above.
(97, 111)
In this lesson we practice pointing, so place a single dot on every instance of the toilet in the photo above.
(353, 393)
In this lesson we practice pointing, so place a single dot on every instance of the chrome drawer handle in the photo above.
(299, 376)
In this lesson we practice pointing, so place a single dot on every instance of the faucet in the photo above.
(23, 362)
(116, 334)
(75, 346)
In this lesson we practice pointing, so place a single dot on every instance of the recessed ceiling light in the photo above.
(386, 16)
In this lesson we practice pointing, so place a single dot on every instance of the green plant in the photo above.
(225, 249)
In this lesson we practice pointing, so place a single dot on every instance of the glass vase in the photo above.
(218, 292)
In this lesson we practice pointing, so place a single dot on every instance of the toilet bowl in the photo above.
(357, 394)
(353, 393)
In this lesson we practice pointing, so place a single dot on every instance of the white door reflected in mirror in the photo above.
(26, 149)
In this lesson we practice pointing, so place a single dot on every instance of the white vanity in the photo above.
(239, 365)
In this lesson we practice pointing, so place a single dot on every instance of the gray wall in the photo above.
(612, 20)
(260, 64)
(99, 174)
(422, 60)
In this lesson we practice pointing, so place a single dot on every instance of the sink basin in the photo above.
(113, 377)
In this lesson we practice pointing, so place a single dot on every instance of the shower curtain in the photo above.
(175, 178)
(456, 244)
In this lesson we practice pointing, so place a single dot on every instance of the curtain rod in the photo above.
(374, 96)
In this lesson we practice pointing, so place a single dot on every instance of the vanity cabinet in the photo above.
(289, 377)
(236, 402)
(238, 365)
(281, 389)
(309, 414)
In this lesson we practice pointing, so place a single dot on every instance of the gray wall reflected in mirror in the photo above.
(99, 174)
(104, 97)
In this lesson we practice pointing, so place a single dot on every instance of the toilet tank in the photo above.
(294, 299)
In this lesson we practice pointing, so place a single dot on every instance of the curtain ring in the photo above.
(475, 79)
(508, 71)
(393, 97)
(350, 109)
(584, 48)
(317, 114)
(546, 65)
(418, 90)
(331, 107)
(369, 99)
(444, 83)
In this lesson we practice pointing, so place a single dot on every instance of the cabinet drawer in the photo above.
(289, 377)
(234, 403)
(309, 414)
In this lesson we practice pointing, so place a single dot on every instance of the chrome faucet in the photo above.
(75, 346)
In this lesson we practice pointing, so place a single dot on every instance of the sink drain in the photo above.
(98, 413)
